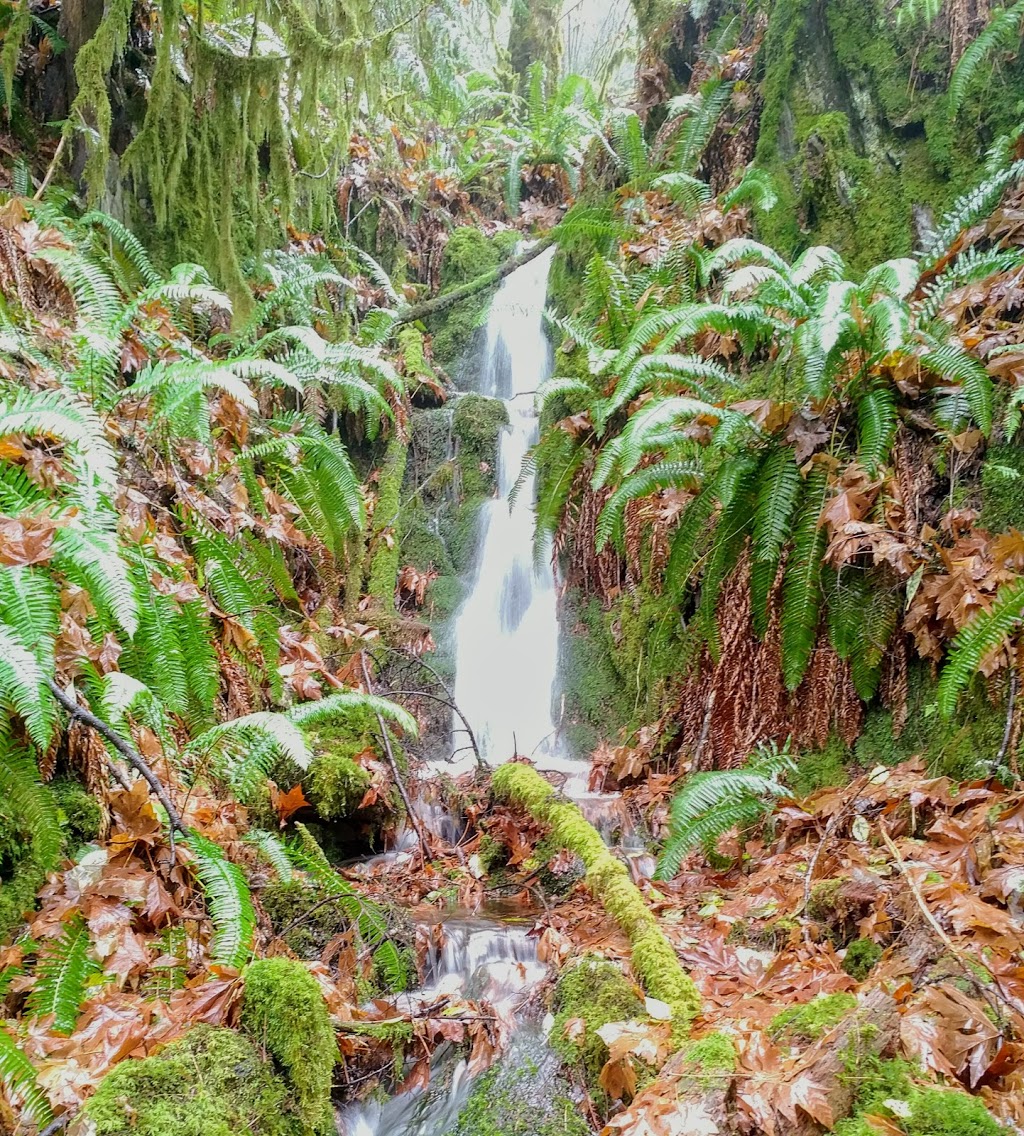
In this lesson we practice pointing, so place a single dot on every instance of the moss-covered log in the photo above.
(654, 960)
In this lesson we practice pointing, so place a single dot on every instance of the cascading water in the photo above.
(506, 634)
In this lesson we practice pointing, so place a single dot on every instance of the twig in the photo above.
(57, 1125)
(51, 169)
(386, 739)
(1008, 731)
(969, 965)
(129, 753)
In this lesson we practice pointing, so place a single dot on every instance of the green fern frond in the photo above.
(1001, 33)
(710, 804)
(877, 422)
(335, 707)
(777, 494)
(801, 585)
(21, 1082)
(62, 974)
(985, 632)
(662, 475)
(228, 901)
(273, 850)
(953, 362)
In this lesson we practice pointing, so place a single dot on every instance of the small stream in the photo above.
(506, 656)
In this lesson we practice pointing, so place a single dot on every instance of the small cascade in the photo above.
(472, 957)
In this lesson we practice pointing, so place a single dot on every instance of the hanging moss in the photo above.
(211, 1083)
(654, 960)
(91, 109)
(284, 1011)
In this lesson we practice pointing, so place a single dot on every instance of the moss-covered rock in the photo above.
(477, 422)
(284, 1011)
(467, 255)
(595, 992)
(29, 845)
(78, 811)
(812, 1020)
(336, 785)
(211, 1083)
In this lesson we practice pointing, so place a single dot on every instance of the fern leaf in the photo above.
(62, 974)
(274, 852)
(953, 362)
(1001, 33)
(801, 586)
(876, 423)
(20, 1080)
(228, 901)
(985, 632)
(777, 495)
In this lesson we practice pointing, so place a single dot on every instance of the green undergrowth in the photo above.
(284, 1011)
(213, 1082)
(857, 131)
(654, 960)
(884, 1088)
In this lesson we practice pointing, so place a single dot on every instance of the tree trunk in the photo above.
(536, 37)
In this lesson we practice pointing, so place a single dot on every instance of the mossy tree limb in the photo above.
(487, 280)
(654, 960)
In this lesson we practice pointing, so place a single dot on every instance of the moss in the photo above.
(467, 255)
(861, 957)
(213, 1082)
(477, 423)
(814, 1019)
(30, 841)
(654, 960)
(713, 1053)
(284, 1011)
(822, 769)
(938, 1113)
(596, 992)
(1002, 489)
(386, 516)
(928, 1112)
(336, 785)
(513, 1098)
(78, 811)
(953, 748)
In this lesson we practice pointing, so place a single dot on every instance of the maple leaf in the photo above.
(287, 804)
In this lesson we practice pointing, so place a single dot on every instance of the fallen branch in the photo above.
(386, 739)
(129, 753)
(654, 960)
(487, 280)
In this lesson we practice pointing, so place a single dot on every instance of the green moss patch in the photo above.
(812, 1020)
(211, 1083)
(284, 1011)
(336, 785)
(595, 992)
(861, 957)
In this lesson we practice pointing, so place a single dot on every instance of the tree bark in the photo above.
(495, 276)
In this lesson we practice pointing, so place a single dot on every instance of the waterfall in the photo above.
(506, 633)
